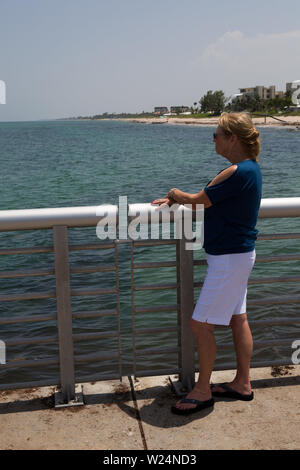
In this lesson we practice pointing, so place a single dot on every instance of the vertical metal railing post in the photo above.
(64, 312)
(118, 306)
(185, 279)
(133, 306)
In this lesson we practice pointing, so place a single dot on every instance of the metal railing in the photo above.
(59, 220)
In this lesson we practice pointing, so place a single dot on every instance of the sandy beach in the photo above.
(276, 121)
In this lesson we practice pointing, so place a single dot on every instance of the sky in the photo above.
(64, 58)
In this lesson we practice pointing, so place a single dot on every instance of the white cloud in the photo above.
(235, 60)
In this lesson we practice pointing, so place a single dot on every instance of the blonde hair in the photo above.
(242, 126)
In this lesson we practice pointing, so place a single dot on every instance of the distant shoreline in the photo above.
(289, 121)
(277, 121)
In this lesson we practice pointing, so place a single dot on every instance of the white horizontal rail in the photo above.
(89, 216)
(30, 219)
(280, 207)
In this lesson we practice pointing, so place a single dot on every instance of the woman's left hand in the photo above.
(164, 201)
(170, 194)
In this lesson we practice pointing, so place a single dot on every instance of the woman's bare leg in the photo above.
(206, 346)
(243, 344)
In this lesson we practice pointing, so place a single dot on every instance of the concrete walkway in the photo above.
(117, 416)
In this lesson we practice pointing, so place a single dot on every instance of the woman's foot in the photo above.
(242, 388)
(195, 394)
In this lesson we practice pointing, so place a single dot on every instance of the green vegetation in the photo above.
(255, 104)
(296, 113)
(216, 102)
(143, 114)
(213, 103)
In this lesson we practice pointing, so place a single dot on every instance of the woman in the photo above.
(231, 202)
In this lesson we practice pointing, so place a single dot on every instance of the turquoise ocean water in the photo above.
(81, 163)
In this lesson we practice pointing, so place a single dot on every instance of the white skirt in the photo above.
(224, 291)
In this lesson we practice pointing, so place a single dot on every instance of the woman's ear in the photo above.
(234, 138)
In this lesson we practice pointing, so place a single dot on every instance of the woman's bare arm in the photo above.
(175, 195)
(187, 198)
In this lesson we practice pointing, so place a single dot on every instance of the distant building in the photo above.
(161, 110)
(264, 93)
(179, 109)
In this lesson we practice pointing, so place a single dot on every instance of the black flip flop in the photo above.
(230, 393)
(200, 405)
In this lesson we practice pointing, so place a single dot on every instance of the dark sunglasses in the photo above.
(216, 135)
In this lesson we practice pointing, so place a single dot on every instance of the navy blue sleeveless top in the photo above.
(229, 224)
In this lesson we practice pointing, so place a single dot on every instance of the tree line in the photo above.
(216, 102)
(213, 103)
